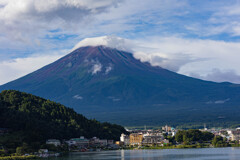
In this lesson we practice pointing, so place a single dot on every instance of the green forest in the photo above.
(32, 120)
(193, 135)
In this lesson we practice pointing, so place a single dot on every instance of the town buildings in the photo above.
(167, 128)
(136, 139)
(84, 143)
(147, 137)
(152, 140)
(234, 135)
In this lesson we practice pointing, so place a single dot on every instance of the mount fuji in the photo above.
(109, 84)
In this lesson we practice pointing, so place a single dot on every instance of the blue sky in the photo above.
(195, 38)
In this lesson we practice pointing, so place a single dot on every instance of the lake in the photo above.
(165, 154)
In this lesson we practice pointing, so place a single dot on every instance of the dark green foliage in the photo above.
(217, 141)
(33, 120)
(193, 135)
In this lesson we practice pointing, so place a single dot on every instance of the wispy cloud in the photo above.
(78, 97)
(181, 35)
(219, 76)
(171, 62)
(96, 68)
(109, 68)
(18, 67)
(95, 65)
(110, 41)
(205, 59)
(38, 25)
(218, 101)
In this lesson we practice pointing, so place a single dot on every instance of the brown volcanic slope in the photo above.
(112, 85)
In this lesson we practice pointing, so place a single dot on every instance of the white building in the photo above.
(125, 139)
(235, 135)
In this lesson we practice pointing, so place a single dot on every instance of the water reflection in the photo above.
(122, 155)
(171, 154)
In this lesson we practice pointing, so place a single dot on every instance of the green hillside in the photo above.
(32, 120)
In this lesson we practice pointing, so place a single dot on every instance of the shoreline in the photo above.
(159, 148)
(29, 157)
(183, 147)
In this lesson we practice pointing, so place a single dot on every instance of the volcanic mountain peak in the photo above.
(103, 58)
(110, 84)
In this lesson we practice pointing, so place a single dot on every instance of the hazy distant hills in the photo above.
(111, 85)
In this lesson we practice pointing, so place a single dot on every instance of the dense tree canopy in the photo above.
(193, 135)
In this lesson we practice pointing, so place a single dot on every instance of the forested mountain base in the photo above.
(32, 120)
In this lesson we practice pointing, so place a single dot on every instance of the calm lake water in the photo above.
(165, 154)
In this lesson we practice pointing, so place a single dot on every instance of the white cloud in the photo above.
(221, 101)
(39, 23)
(193, 55)
(109, 41)
(29, 21)
(223, 19)
(12, 10)
(171, 62)
(108, 68)
(219, 76)
(218, 101)
(114, 99)
(78, 97)
(16, 68)
(96, 67)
